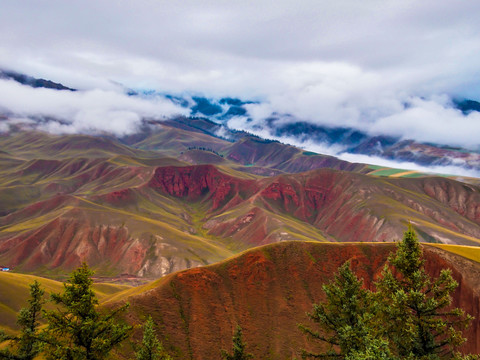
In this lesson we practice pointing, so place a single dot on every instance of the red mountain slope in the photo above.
(344, 205)
(168, 218)
(267, 291)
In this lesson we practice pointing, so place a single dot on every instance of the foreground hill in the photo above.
(155, 204)
(268, 291)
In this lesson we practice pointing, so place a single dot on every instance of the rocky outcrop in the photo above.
(196, 182)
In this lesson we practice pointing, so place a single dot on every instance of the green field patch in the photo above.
(15, 291)
(387, 172)
(414, 175)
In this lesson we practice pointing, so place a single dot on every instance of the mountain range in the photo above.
(175, 197)
(220, 226)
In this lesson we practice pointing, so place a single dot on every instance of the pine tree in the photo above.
(151, 348)
(239, 351)
(345, 319)
(27, 344)
(417, 316)
(78, 330)
(375, 348)
(459, 356)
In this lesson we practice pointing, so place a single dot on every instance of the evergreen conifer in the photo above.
(346, 321)
(77, 330)
(28, 344)
(239, 351)
(417, 313)
(151, 348)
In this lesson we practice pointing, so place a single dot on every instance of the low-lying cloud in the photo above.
(90, 111)
(387, 68)
(458, 166)
(435, 169)
(433, 120)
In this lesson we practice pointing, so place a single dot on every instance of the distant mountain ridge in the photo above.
(350, 140)
(280, 126)
(32, 81)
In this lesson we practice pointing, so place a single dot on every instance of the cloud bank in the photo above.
(343, 63)
(90, 111)
(384, 67)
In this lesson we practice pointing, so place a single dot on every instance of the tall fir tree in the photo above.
(151, 348)
(417, 313)
(28, 344)
(345, 321)
(239, 351)
(77, 330)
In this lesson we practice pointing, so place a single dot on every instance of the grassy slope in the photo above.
(469, 252)
(14, 293)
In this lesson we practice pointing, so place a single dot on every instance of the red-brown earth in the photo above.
(267, 291)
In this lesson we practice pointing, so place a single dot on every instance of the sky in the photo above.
(386, 67)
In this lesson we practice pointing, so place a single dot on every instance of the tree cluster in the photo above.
(409, 316)
(205, 149)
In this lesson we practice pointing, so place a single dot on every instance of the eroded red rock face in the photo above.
(194, 182)
(67, 241)
(345, 206)
(268, 291)
(462, 198)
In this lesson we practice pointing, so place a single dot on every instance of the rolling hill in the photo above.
(266, 290)
(175, 197)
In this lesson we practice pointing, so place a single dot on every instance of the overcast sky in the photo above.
(344, 62)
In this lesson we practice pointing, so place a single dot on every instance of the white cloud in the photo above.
(432, 121)
(83, 111)
(457, 168)
(344, 63)
(375, 160)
